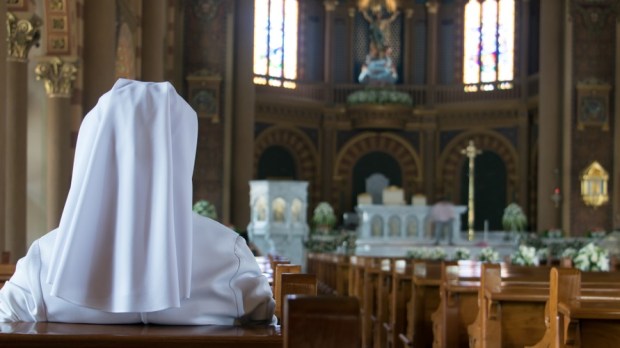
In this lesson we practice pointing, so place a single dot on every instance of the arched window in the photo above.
(275, 42)
(489, 35)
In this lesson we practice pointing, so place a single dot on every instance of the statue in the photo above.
(378, 68)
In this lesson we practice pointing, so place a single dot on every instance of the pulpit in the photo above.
(278, 222)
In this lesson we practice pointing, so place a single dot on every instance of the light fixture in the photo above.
(594, 185)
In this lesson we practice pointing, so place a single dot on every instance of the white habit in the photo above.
(128, 248)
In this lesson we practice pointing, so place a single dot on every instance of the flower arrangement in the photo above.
(205, 208)
(424, 253)
(592, 258)
(324, 215)
(525, 256)
(569, 253)
(462, 254)
(514, 219)
(488, 254)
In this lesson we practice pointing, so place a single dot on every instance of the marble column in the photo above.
(58, 76)
(432, 8)
(22, 34)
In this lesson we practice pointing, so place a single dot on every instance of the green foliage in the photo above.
(380, 97)
(205, 208)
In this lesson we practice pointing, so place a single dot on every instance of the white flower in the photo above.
(592, 258)
(514, 219)
(525, 256)
(488, 255)
(462, 254)
(569, 253)
(324, 215)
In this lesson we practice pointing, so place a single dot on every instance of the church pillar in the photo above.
(551, 56)
(351, 34)
(58, 76)
(328, 76)
(615, 182)
(566, 117)
(429, 155)
(243, 122)
(523, 117)
(432, 8)
(22, 34)
(3, 83)
(154, 39)
(407, 45)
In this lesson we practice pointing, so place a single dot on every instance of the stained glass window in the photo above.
(489, 34)
(275, 42)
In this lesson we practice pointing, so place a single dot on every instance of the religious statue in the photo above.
(378, 67)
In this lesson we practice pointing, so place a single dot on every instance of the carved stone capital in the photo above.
(22, 34)
(57, 76)
(432, 7)
(330, 5)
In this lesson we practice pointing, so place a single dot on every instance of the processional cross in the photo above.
(471, 152)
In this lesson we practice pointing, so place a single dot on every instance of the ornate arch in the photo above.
(299, 145)
(451, 160)
(356, 148)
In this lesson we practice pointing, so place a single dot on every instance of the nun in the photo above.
(128, 248)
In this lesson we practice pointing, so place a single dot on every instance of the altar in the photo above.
(395, 230)
(401, 221)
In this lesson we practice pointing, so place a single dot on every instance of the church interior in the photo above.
(330, 93)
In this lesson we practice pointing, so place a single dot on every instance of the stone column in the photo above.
(350, 34)
(408, 43)
(549, 151)
(523, 143)
(22, 34)
(615, 198)
(58, 77)
(154, 26)
(3, 165)
(243, 122)
(328, 76)
(432, 8)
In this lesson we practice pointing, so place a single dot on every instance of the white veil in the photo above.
(125, 235)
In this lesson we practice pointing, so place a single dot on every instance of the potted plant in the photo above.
(323, 217)
(514, 220)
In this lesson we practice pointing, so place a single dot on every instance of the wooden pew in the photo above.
(6, 272)
(62, 335)
(321, 321)
(380, 314)
(458, 304)
(277, 288)
(372, 267)
(402, 274)
(594, 303)
(296, 284)
(511, 314)
(424, 301)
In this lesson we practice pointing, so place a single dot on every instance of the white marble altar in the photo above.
(400, 222)
(278, 222)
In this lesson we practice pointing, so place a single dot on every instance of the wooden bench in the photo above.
(62, 335)
(424, 301)
(6, 272)
(512, 306)
(458, 304)
(582, 314)
(402, 275)
(277, 287)
(321, 321)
